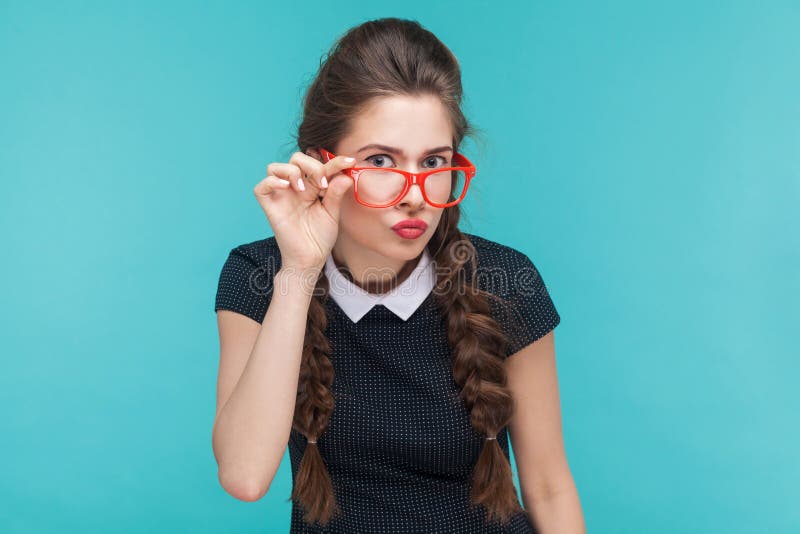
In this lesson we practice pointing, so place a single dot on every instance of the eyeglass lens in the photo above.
(385, 186)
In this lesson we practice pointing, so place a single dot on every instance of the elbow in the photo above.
(237, 482)
(242, 488)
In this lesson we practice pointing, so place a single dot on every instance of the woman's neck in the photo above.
(376, 281)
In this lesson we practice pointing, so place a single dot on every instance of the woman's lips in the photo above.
(410, 228)
(408, 233)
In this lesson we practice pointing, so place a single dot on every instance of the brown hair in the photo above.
(380, 58)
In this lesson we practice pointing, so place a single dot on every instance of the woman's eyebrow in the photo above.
(399, 151)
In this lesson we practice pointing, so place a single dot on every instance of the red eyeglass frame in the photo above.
(411, 178)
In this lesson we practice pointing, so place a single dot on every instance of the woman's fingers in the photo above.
(269, 185)
(287, 171)
(304, 171)
(312, 168)
(336, 165)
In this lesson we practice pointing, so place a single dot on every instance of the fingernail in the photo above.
(300, 184)
(324, 182)
(349, 160)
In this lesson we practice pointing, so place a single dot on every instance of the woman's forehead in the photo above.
(413, 125)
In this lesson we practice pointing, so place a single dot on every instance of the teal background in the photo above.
(644, 155)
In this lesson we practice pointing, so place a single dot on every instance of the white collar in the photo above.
(403, 300)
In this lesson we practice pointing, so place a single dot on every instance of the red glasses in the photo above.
(381, 187)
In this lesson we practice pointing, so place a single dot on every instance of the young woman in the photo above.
(395, 354)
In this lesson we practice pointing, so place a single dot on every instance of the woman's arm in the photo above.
(548, 490)
(257, 387)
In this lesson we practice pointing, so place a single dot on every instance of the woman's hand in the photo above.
(302, 210)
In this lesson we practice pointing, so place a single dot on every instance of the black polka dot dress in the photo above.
(399, 447)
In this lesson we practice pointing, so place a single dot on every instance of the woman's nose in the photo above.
(413, 198)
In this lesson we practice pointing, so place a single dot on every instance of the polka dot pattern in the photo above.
(400, 447)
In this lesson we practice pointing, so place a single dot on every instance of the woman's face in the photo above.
(416, 129)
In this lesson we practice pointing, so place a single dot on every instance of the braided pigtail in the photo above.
(313, 489)
(478, 368)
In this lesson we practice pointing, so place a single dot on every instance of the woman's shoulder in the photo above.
(261, 252)
(506, 271)
(510, 274)
(246, 278)
(494, 255)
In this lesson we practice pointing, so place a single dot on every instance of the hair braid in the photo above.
(477, 342)
(312, 486)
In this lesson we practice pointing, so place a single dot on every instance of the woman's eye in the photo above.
(433, 158)
(378, 160)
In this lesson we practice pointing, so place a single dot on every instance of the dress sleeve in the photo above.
(530, 311)
(244, 286)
